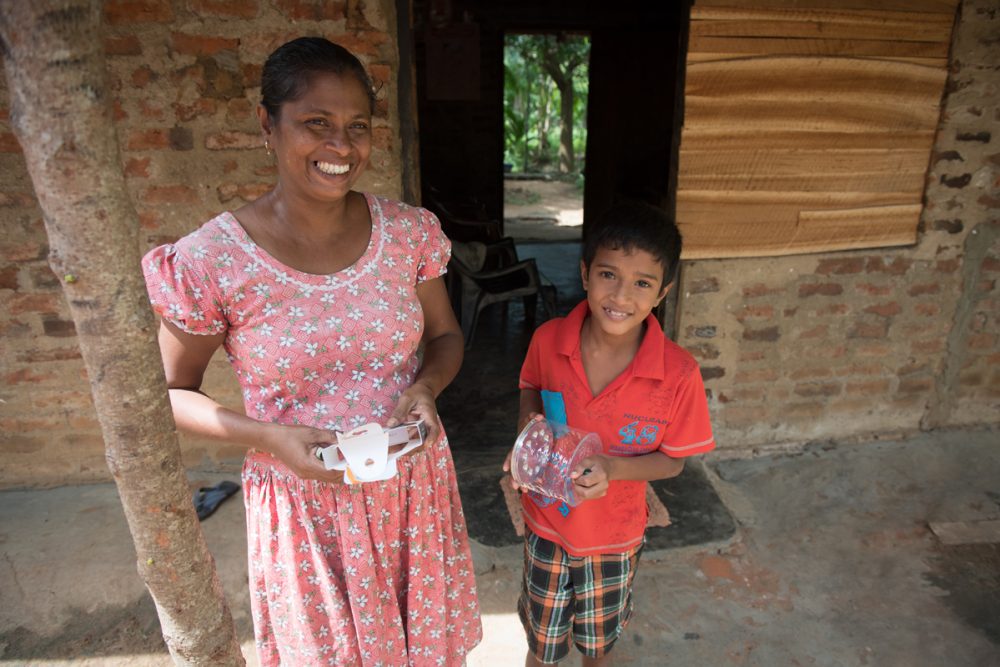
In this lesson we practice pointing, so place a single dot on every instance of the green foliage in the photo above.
(532, 100)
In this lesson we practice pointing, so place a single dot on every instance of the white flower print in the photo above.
(343, 343)
(283, 363)
(174, 311)
(295, 312)
(312, 348)
(262, 290)
(286, 341)
(368, 345)
(225, 259)
(309, 328)
(352, 395)
(357, 375)
(270, 310)
(331, 388)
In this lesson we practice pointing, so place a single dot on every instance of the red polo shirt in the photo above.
(656, 404)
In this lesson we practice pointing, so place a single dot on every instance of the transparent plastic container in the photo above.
(545, 453)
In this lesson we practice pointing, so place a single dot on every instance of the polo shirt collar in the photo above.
(648, 362)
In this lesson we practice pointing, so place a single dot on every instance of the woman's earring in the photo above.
(267, 147)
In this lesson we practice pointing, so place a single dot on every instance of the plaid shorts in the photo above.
(590, 597)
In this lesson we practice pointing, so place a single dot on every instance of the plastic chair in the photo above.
(463, 220)
(479, 286)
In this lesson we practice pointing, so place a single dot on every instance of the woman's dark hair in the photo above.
(290, 67)
(632, 224)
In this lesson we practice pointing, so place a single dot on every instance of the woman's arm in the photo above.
(185, 358)
(444, 349)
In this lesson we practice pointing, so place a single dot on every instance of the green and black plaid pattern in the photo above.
(589, 598)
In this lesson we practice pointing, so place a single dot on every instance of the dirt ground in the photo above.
(834, 563)
(539, 210)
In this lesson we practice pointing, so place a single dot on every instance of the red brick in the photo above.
(760, 289)
(43, 279)
(814, 389)
(985, 285)
(201, 107)
(230, 166)
(141, 76)
(59, 328)
(991, 264)
(874, 290)
(790, 312)
(36, 303)
(21, 376)
(971, 378)
(118, 111)
(867, 387)
(137, 167)
(752, 355)
(269, 170)
(924, 288)
(379, 73)
(201, 45)
(225, 8)
(816, 332)
(122, 12)
(170, 194)
(756, 375)
(927, 309)
(122, 46)
(749, 312)
(362, 43)
(767, 334)
(947, 265)
(25, 252)
(382, 138)
(712, 372)
(821, 289)
(140, 140)
(8, 277)
(150, 219)
(233, 140)
(8, 143)
(57, 354)
(897, 267)
(704, 351)
(915, 385)
(860, 369)
(800, 410)
(841, 266)
(912, 367)
(315, 10)
(981, 341)
(245, 191)
(885, 309)
(810, 373)
(868, 330)
(833, 309)
(239, 110)
(17, 199)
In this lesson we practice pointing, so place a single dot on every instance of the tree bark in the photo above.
(61, 114)
(562, 74)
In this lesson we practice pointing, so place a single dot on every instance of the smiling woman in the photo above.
(321, 296)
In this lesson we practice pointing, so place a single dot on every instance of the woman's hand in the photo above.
(296, 447)
(417, 402)
(592, 475)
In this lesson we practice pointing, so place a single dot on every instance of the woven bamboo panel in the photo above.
(808, 123)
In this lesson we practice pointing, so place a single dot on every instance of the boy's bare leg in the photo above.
(604, 661)
(531, 661)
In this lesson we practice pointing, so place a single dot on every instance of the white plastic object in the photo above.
(363, 453)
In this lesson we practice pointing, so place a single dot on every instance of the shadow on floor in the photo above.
(479, 411)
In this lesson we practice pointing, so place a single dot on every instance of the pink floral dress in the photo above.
(371, 574)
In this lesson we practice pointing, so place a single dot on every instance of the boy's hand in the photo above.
(591, 476)
(522, 422)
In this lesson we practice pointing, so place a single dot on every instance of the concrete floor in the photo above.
(828, 558)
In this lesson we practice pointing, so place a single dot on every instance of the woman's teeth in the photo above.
(333, 169)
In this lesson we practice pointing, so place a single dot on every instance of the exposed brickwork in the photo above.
(185, 78)
(858, 343)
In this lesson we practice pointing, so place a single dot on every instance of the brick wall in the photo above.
(185, 77)
(867, 343)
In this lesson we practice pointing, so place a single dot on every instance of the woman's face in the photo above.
(323, 139)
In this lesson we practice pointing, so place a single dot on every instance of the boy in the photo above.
(608, 368)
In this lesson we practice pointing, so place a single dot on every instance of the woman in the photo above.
(321, 296)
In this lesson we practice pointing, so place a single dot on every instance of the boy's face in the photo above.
(622, 288)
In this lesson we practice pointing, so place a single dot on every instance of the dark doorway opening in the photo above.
(636, 72)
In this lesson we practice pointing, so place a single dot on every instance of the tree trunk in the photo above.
(61, 113)
(562, 75)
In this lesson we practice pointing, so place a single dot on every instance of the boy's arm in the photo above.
(531, 405)
(603, 469)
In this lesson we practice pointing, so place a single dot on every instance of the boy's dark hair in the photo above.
(288, 70)
(631, 224)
